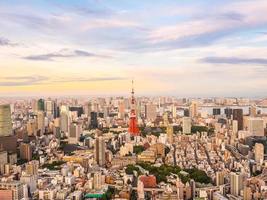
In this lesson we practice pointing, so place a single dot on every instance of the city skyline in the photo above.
(178, 48)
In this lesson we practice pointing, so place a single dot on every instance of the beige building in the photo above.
(259, 152)
(5, 120)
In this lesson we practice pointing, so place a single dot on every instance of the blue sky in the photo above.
(178, 48)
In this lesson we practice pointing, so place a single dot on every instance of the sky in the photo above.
(183, 48)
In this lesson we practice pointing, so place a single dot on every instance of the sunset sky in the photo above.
(178, 48)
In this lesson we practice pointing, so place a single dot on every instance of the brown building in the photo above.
(6, 194)
(149, 181)
(9, 143)
(238, 115)
(25, 151)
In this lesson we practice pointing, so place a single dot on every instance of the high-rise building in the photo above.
(259, 152)
(49, 108)
(220, 178)
(186, 125)
(99, 180)
(170, 134)
(193, 109)
(253, 111)
(238, 115)
(32, 167)
(75, 131)
(248, 194)
(121, 113)
(41, 121)
(150, 112)
(99, 151)
(25, 151)
(5, 120)
(41, 105)
(235, 126)
(64, 121)
(236, 183)
(78, 109)
(186, 112)
(216, 111)
(133, 125)
(174, 112)
(3, 161)
(93, 120)
(256, 126)
(15, 187)
(228, 112)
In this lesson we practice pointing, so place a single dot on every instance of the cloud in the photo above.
(234, 60)
(22, 80)
(92, 79)
(64, 53)
(38, 80)
(6, 42)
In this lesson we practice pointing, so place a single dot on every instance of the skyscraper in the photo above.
(49, 108)
(5, 120)
(93, 120)
(99, 151)
(170, 134)
(236, 183)
(74, 133)
(186, 125)
(41, 105)
(64, 121)
(193, 109)
(151, 112)
(228, 112)
(25, 151)
(133, 126)
(238, 115)
(41, 121)
(259, 152)
(256, 126)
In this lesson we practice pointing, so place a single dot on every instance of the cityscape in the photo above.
(133, 100)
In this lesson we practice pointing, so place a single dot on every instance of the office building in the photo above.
(41, 105)
(99, 151)
(50, 108)
(170, 134)
(93, 120)
(64, 121)
(15, 187)
(41, 121)
(228, 112)
(75, 131)
(238, 115)
(253, 111)
(32, 167)
(236, 183)
(5, 120)
(150, 112)
(78, 109)
(216, 111)
(259, 152)
(193, 109)
(25, 151)
(186, 125)
(235, 126)
(186, 112)
(256, 126)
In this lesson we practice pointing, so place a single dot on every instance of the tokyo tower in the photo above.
(133, 127)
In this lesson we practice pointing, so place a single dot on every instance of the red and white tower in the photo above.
(133, 127)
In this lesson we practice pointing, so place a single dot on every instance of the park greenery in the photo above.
(163, 171)
(138, 149)
(176, 129)
(54, 165)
